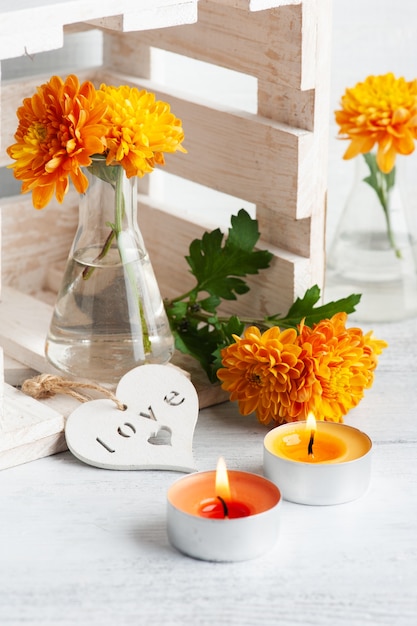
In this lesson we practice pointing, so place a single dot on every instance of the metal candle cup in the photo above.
(234, 539)
(339, 472)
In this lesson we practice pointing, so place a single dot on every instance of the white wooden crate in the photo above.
(274, 158)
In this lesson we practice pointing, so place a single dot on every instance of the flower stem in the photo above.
(114, 176)
(107, 245)
(128, 267)
(382, 184)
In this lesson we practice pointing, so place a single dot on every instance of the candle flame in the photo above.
(311, 423)
(222, 481)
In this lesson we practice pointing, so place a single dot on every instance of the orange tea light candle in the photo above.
(223, 515)
(318, 462)
(222, 506)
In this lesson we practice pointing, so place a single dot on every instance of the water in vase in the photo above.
(109, 317)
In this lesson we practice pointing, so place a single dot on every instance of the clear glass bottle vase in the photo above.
(109, 316)
(374, 250)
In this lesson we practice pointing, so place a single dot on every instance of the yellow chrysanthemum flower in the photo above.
(380, 111)
(59, 129)
(282, 376)
(139, 129)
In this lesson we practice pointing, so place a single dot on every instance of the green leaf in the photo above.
(244, 232)
(210, 304)
(218, 267)
(200, 343)
(304, 309)
(233, 327)
(301, 305)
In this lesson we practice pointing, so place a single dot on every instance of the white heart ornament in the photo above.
(154, 432)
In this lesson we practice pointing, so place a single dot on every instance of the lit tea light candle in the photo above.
(222, 506)
(223, 515)
(301, 444)
(318, 462)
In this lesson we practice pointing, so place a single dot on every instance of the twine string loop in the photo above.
(48, 385)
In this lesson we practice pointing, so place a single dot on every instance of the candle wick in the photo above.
(224, 505)
(311, 443)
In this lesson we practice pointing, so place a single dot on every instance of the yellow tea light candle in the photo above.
(318, 463)
(303, 444)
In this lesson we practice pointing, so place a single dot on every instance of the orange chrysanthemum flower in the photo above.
(139, 129)
(282, 376)
(380, 111)
(59, 129)
(259, 368)
(342, 361)
(65, 123)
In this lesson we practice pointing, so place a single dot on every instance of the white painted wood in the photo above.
(28, 429)
(31, 26)
(1, 385)
(83, 545)
(34, 241)
(16, 373)
(24, 323)
(154, 432)
(139, 18)
(276, 45)
(256, 5)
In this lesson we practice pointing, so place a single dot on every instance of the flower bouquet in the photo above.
(109, 314)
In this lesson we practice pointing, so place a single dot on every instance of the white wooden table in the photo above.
(89, 546)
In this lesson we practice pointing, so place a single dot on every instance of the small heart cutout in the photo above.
(162, 437)
(154, 432)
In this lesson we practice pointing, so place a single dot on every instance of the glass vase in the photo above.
(374, 250)
(109, 316)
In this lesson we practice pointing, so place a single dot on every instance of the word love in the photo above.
(155, 431)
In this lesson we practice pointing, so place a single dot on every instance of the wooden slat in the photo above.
(238, 153)
(30, 429)
(25, 422)
(256, 5)
(310, 109)
(275, 45)
(24, 325)
(37, 449)
(35, 240)
(16, 373)
(138, 19)
(32, 27)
